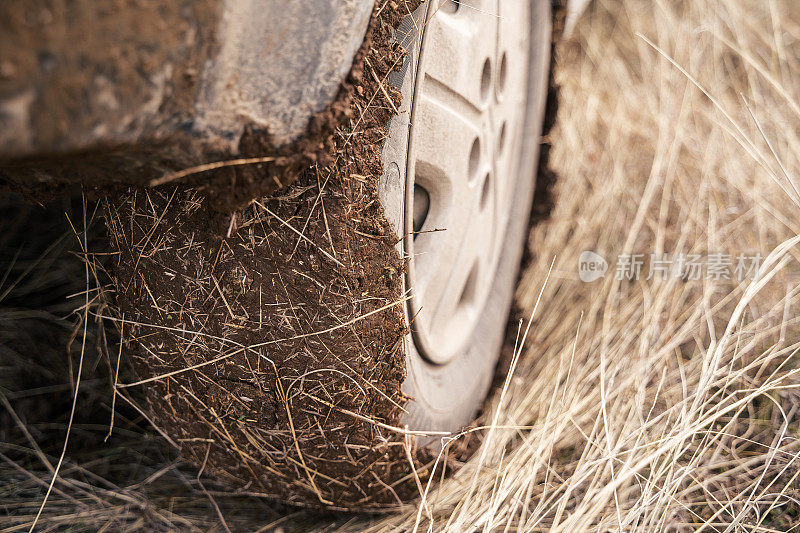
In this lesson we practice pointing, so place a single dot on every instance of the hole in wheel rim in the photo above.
(449, 6)
(422, 204)
(469, 290)
(502, 74)
(485, 191)
(474, 159)
(486, 78)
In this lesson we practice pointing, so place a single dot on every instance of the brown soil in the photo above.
(266, 365)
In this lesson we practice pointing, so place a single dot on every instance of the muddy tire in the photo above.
(272, 343)
(465, 146)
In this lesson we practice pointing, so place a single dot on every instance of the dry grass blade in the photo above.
(299, 234)
(173, 176)
(84, 324)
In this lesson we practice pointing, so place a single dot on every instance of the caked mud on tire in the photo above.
(270, 337)
(271, 341)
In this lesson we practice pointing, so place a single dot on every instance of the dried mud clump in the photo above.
(267, 340)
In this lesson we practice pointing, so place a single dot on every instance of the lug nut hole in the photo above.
(469, 291)
(422, 204)
(474, 159)
(503, 74)
(486, 78)
(449, 6)
(486, 190)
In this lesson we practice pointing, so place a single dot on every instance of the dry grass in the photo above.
(640, 405)
(657, 404)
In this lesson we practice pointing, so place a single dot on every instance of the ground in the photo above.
(647, 402)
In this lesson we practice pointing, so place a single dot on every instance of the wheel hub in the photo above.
(469, 95)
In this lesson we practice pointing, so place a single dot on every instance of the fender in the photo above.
(128, 92)
(123, 91)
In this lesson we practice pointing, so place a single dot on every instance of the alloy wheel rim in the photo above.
(470, 85)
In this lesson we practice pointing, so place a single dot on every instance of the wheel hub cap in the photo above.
(469, 98)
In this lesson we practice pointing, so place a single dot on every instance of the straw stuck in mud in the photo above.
(267, 339)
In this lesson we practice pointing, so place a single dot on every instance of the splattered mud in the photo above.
(267, 339)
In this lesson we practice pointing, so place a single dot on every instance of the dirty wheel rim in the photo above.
(463, 153)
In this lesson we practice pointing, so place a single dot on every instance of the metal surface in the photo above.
(464, 149)
(83, 76)
(446, 395)
(279, 62)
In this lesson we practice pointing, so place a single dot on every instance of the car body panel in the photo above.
(171, 80)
